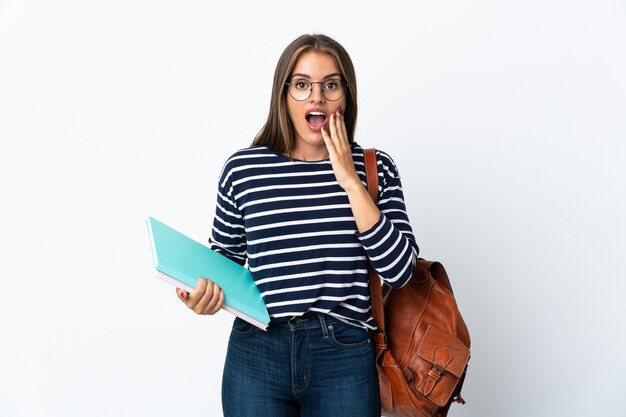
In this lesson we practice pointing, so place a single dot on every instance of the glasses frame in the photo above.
(342, 82)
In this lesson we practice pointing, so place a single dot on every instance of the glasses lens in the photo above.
(300, 89)
(332, 89)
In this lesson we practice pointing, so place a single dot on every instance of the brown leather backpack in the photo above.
(422, 342)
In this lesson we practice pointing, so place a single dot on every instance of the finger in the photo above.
(333, 127)
(200, 288)
(211, 301)
(196, 295)
(342, 138)
(329, 143)
(203, 302)
(217, 300)
(342, 125)
(218, 303)
(182, 294)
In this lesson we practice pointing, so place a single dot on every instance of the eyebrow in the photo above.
(309, 77)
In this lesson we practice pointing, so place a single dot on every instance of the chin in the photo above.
(316, 139)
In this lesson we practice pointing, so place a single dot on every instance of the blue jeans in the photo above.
(312, 366)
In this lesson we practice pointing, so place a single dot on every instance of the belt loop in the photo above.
(324, 327)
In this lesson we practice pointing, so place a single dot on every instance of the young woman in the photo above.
(295, 207)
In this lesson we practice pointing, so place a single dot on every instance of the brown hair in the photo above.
(278, 132)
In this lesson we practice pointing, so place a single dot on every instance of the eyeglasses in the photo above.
(332, 90)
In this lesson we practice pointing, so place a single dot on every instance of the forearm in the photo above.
(364, 210)
(389, 242)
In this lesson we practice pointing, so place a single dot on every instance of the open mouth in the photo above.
(315, 120)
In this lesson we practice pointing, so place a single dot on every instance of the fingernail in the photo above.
(340, 111)
(334, 115)
(182, 295)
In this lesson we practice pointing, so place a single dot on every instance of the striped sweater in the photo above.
(292, 223)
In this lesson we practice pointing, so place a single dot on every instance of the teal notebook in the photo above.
(181, 260)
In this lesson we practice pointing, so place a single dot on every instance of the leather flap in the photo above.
(444, 350)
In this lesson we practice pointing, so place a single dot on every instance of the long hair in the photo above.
(278, 133)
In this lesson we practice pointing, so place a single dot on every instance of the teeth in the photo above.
(317, 113)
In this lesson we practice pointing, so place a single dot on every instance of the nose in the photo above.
(316, 93)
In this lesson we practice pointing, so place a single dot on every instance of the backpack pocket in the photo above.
(440, 363)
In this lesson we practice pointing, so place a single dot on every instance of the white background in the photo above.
(507, 120)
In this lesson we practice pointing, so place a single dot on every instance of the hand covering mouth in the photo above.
(316, 118)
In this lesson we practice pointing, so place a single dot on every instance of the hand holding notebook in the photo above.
(206, 298)
(182, 261)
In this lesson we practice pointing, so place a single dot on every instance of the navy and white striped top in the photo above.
(292, 222)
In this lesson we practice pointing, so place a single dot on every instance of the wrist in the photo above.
(353, 187)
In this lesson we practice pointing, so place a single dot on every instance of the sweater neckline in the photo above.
(319, 161)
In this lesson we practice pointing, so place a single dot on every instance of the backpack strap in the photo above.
(371, 174)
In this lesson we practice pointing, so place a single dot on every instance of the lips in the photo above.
(315, 119)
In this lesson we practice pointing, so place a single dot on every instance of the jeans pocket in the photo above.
(242, 327)
(346, 336)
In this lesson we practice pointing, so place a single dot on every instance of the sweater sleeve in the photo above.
(228, 235)
(390, 244)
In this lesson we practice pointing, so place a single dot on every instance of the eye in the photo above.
(301, 84)
(331, 85)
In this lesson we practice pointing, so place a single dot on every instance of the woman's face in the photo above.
(310, 115)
